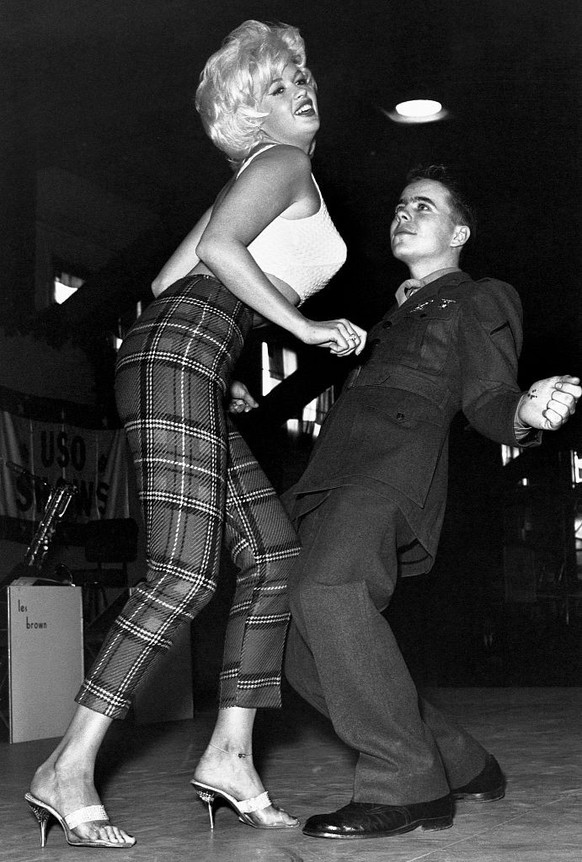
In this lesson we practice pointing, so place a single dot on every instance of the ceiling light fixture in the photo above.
(417, 111)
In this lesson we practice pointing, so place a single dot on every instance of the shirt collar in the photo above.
(413, 285)
(437, 274)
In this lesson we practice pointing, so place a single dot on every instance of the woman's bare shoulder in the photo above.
(281, 157)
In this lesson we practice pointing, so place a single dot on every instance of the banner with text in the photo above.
(38, 455)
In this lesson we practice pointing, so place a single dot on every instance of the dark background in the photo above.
(103, 89)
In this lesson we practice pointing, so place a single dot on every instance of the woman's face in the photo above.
(291, 105)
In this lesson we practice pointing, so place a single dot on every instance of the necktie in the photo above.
(406, 289)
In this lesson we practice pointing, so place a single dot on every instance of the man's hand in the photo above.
(241, 400)
(550, 402)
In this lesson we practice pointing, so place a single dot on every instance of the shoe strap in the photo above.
(257, 803)
(86, 815)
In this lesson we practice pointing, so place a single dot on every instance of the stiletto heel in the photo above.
(43, 812)
(244, 807)
(42, 817)
(208, 798)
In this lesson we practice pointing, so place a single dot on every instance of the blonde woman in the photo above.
(265, 245)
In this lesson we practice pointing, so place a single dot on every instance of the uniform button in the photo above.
(387, 324)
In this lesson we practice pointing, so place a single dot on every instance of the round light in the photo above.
(419, 108)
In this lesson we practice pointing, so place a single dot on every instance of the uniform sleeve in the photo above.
(490, 340)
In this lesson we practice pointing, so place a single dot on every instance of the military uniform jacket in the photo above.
(453, 346)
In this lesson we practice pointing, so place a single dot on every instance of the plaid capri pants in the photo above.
(201, 490)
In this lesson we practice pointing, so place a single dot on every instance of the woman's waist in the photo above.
(196, 298)
(282, 286)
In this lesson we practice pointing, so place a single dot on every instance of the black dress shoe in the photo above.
(369, 820)
(488, 786)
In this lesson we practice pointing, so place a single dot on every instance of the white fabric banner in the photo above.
(36, 455)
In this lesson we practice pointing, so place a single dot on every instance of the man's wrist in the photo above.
(521, 428)
(525, 434)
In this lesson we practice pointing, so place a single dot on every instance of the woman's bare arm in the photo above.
(277, 181)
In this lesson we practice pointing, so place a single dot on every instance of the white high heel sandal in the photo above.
(244, 807)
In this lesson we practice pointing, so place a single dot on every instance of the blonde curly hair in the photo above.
(237, 76)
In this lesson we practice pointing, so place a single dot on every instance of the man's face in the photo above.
(423, 227)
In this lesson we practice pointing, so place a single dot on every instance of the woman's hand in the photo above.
(341, 336)
(241, 400)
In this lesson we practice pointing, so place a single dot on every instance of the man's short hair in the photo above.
(463, 211)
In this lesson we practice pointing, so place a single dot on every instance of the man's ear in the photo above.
(460, 236)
